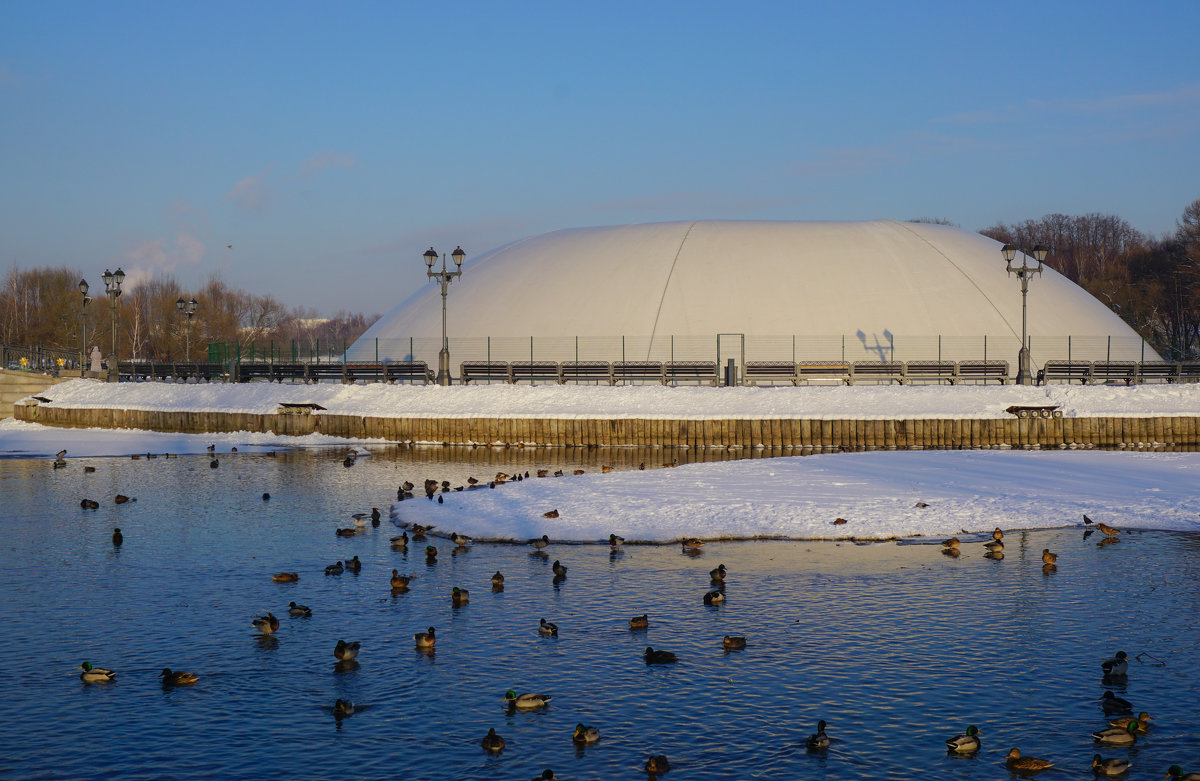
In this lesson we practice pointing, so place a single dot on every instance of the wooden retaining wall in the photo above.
(774, 433)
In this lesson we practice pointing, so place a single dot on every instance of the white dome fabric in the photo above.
(861, 283)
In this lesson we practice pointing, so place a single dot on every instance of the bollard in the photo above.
(730, 373)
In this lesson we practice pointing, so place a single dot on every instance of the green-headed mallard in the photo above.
(1110, 767)
(345, 652)
(343, 708)
(180, 678)
(713, 597)
(659, 657)
(425, 639)
(1118, 736)
(1118, 665)
(266, 624)
(657, 763)
(733, 643)
(547, 775)
(966, 742)
(299, 611)
(820, 740)
(95, 674)
(459, 596)
(640, 622)
(1175, 773)
(526, 701)
(492, 743)
(548, 629)
(430, 554)
(459, 539)
(615, 541)
(717, 573)
(1143, 720)
(1014, 761)
(400, 581)
(585, 734)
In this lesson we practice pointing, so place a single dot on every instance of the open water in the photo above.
(896, 646)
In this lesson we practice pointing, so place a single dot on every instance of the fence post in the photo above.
(985, 348)
(672, 348)
(1108, 352)
(793, 348)
(576, 349)
(623, 347)
(939, 348)
(843, 348)
(1068, 348)
(531, 349)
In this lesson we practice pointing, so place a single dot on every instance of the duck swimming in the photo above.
(266, 624)
(353, 565)
(1118, 665)
(548, 629)
(659, 657)
(459, 596)
(559, 569)
(425, 639)
(1110, 767)
(585, 734)
(639, 622)
(819, 740)
(497, 581)
(346, 652)
(525, 701)
(1015, 761)
(299, 611)
(1175, 773)
(95, 674)
(718, 573)
(335, 569)
(492, 743)
(713, 597)
(1048, 557)
(966, 742)
(733, 643)
(400, 581)
(657, 764)
(1118, 736)
(180, 678)
(1143, 720)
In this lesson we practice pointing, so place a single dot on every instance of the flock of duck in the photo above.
(1123, 730)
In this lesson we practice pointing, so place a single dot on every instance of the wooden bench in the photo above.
(585, 371)
(1164, 371)
(684, 371)
(488, 371)
(1110, 371)
(768, 372)
(1067, 371)
(823, 370)
(638, 371)
(534, 371)
(1189, 371)
(877, 371)
(407, 371)
(930, 371)
(316, 372)
(981, 371)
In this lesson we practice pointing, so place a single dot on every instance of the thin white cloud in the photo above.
(840, 161)
(155, 256)
(318, 163)
(251, 193)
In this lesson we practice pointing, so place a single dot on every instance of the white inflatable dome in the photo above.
(873, 290)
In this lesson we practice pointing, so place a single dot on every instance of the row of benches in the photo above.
(387, 371)
(1129, 372)
(850, 372)
(662, 372)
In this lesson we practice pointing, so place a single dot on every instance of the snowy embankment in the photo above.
(639, 401)
(797, 497)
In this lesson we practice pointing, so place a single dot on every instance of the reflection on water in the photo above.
(897, 647)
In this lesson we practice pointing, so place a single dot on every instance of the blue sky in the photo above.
(332, 143)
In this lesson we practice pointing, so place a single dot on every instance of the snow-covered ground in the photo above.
(797, 497)
(568, 401)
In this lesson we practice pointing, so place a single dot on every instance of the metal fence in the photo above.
(751, 347)
(47, 360)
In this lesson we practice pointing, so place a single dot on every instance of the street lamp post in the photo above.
(187, 308)
(1024, 272)
(444, 277)
(112, 288)
(83, 289)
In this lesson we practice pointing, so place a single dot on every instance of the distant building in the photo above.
(878, 290)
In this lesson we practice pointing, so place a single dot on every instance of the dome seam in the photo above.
(666, 284)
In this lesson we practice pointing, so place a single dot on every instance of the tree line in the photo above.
(1152, 283)
(45, 308)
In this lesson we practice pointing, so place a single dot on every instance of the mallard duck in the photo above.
(343, 708)
(1118, 736)
(285, 577)
(1118, 665)
(659, 657)
(718, 573)
(299, 610)
(997, 534)
(345, 652)
(1015, 761)
(559, 569)
(953, 553)
(120, 499)
(1109, 531)
(497, 580)
(400, 581)
(425, 639)
(400, 542)
(1048, 557)
(1110, 767)
(548, 629)
(117, 537)
(335, 569)
(349, 531)
(692, 544)
(657, 764)
(1175, 772)
(820, 740)
(459, 596)
(547, 775)
(95, 674)
(1113, 705)
(492, 742)
(733, 643)
(459, 539)
(966, 742)
(640, 622)
(526, 701)
(266, 624)
(177, 678)
(361, 519)
(550, 513)
(614, 541)
(713, 597)
(430, 554)
(1143, 720)
(585, 734)
(540, 542)
(89, 504)
(994, 545)
(353, 565)
(950, 543)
